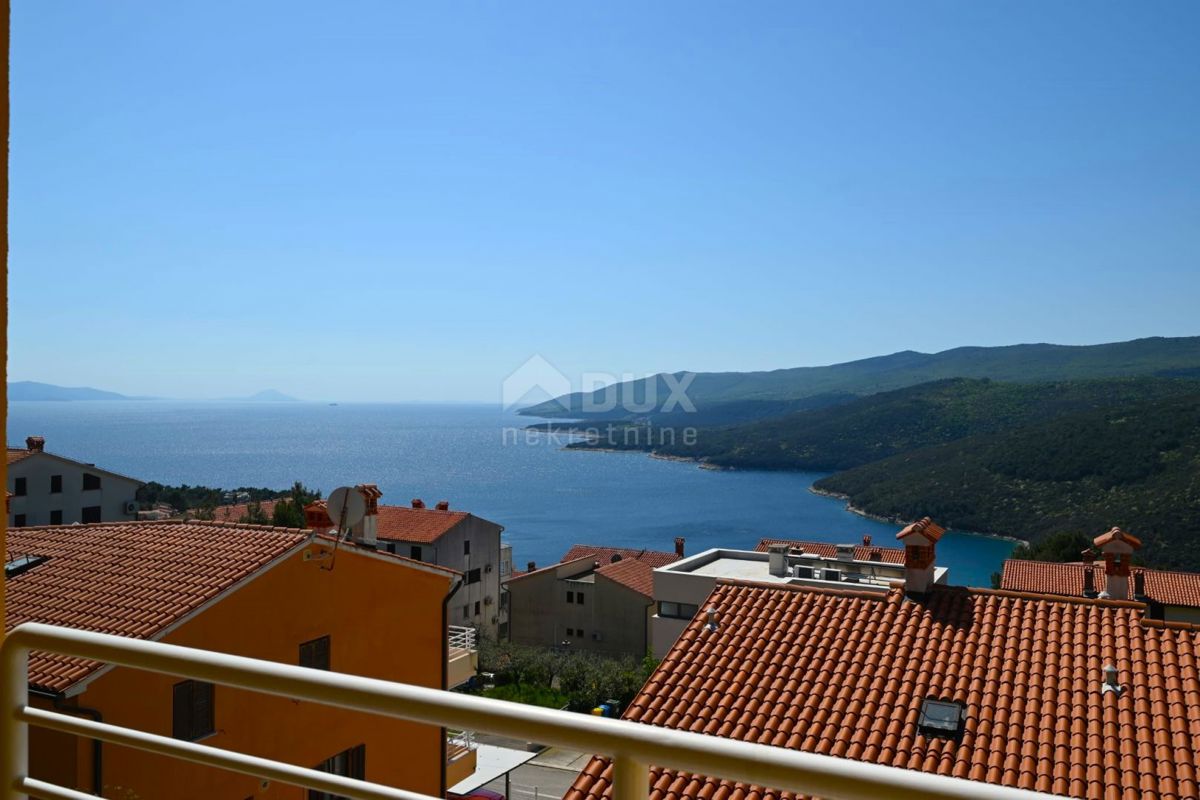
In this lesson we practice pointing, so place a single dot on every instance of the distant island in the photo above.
(33, 390)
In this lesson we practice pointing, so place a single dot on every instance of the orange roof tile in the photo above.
(845, 673)
(238, 512)
(132, 578)
(631, 573)
(925, 527)
(1162, 586)
(17, 453)
(655, 558)
(862, 552)
(426, 525)
(1117, 535)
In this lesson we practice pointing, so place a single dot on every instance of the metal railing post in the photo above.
(631, 779)
(14, 731)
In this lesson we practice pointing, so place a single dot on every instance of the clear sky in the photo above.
(405, 201)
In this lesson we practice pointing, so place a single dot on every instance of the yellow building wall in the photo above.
(384, 620)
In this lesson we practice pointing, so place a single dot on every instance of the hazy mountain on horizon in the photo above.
(35, 390)
(1162, 356)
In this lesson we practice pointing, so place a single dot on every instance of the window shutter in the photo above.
(202, 709)
(322, 652)
(181, 709)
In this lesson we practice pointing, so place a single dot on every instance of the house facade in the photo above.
(268, 593)
(49, 489)
(597, 599)
(456, 540)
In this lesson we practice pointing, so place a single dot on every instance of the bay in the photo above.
(479, 459)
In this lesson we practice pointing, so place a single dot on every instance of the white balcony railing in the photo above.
(631, 746)
(461, 638)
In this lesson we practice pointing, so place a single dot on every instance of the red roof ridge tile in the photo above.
(891, 594)
(540, 570)
(1057, 598)
(925, 527)
(1170, 624)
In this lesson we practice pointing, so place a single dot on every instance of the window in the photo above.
(677, 610)
(570, 631)
(466, 547)
(477, 608)
(315, 654)
(466, 610)
(579, 598)
(90, 481)
(414, 553)
(90, 514)
(941, 717)
(350, 763)
(473, 575)
(578, 633)
(56, 517)
(192, 711)
(570, 597)
(55, 484)
(21, 564)
(18, 520)
(20, 487)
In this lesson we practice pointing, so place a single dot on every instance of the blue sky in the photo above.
(405, 201)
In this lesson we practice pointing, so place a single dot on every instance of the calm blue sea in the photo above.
(547, 498)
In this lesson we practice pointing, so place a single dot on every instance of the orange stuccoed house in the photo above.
(269, 593)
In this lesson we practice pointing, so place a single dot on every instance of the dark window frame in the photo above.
(315, 653)
(414, 552)
(193, 710)
(19, 520)
(91, 514)
(570, 597)
(90, 482)
(669, 609)
(56, 516)
(466, 547)
(56, 484)
(350, 763)
(20, 487)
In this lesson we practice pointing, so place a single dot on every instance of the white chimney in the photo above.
(777, 560)
(1117, 549)
(920, 540)
(366, 531)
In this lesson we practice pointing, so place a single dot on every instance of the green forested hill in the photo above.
(882, 425)
(1135, 466)
(1025, 363)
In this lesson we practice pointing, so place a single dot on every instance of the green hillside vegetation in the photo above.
(1136, 466)
(1025, 363)
(883, 425)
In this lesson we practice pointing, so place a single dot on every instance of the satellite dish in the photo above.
(346, 507)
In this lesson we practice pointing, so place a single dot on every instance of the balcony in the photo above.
(463, 656)
(632, 747)
(460, 755)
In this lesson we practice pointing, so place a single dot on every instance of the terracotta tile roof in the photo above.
(862, 552)
(1168, 588)
(655, 558)
(238, 511)
(132, 578)
(405, 524)
(845, 673)
(1117, 535)
(17, 453)
(925, 527)
(631, 573)
(426, 525)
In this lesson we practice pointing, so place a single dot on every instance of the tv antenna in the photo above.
(346, 508)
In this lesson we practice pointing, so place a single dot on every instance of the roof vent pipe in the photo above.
(777, 560)
(711, 625)
(1110, 682)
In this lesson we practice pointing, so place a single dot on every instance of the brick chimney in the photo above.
(1116, 547)
(531, 566)
(920, 540)
(36, 444)
(316, 516)
(418, 503)
(443, 505)
(679, 542)
(867, 540)
(366, 531)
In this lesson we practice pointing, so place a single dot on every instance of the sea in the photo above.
(481, 460)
